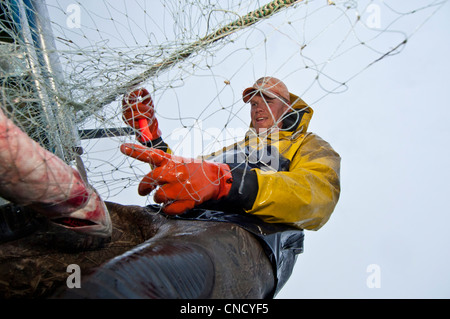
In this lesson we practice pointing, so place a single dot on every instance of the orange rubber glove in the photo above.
(183, 183)
(138, 112)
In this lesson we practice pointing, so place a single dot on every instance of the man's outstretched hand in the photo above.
(183, 182)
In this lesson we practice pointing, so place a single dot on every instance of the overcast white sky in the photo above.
(391, 130)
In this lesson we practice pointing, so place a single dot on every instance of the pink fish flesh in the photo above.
(32, 176)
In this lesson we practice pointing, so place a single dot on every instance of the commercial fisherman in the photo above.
(278, 181)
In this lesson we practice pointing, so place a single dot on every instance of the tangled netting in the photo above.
(65, 66)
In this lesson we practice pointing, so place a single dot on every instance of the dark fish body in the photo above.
(35, 252)
(147, 251)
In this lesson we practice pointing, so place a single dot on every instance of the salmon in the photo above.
(32, 176)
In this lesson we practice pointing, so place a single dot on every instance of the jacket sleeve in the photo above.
(306, 195)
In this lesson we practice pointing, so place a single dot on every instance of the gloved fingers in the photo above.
(176, 198)
(170, 173)
(137, 95)
(147, 185)
(171, 192)
(136, 106)
(166, 176)
(158, 176)
(145, 154)
(178, 207)
(139, 110)
(131, 114)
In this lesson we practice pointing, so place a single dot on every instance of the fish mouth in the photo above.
(100, 228)
(92, 218)
(73, 222)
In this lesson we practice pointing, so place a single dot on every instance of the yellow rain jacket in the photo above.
(305, 194)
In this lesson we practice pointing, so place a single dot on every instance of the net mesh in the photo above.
(195, 57)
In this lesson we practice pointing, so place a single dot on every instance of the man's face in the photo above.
(265, 112)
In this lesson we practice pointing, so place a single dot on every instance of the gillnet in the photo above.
(65, 66)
